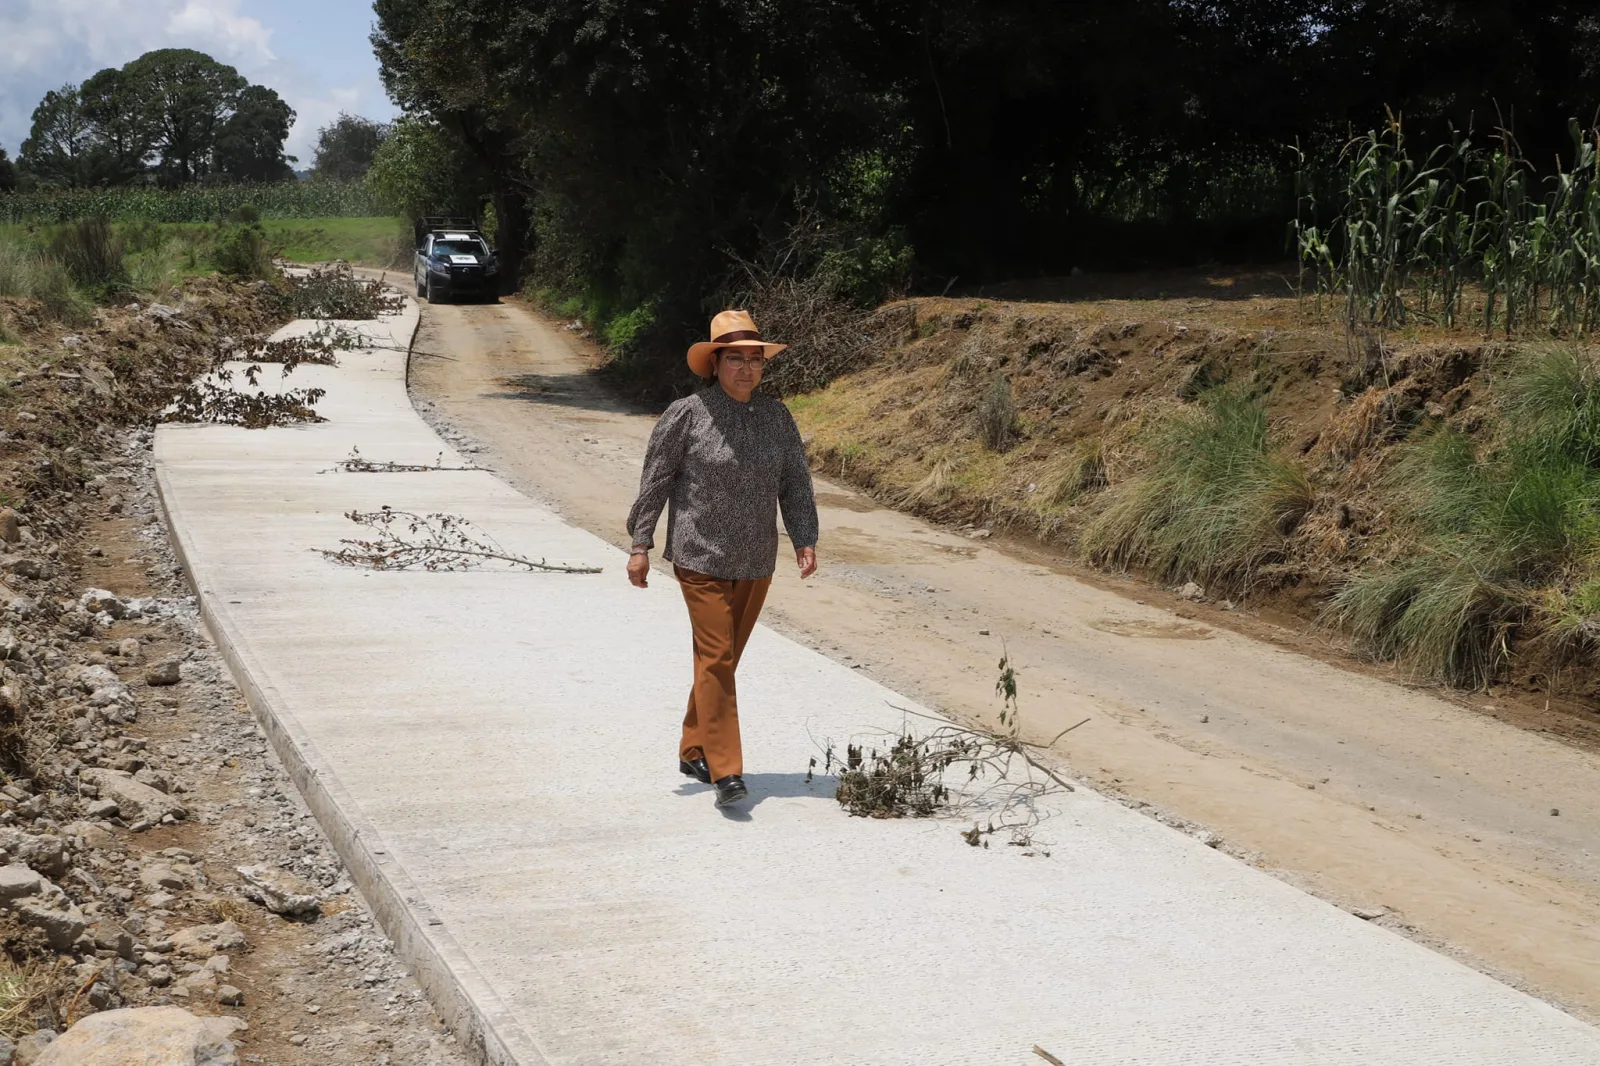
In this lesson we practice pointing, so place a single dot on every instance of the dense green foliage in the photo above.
(627, 148)
(175, 115)
(345, 148)
(191, 203)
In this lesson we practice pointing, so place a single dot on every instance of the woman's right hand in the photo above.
(639, 569)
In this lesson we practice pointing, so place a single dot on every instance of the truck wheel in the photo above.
(420, 292)
(433, 293)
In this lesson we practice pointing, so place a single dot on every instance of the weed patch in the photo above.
(1502, 538)
(1216, 504)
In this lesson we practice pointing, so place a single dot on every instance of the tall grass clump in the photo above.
(1216, 503)
(92, 253)
(52, 285)
(15, 261)
(1502, 538)
(997, 415)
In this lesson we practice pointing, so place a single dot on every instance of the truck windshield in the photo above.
(459, 248)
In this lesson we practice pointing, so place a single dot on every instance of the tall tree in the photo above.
(57, 150)
(250, 142)
(346, 145)
(120, 122)
(8, 173)
(190, 96)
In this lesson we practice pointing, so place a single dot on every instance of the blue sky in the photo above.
(313, 52)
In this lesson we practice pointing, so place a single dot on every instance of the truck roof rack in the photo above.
(436, 223)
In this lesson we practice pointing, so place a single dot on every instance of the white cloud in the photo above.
(46, 43)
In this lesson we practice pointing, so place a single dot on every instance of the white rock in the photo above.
(101, 601)
(61, 922)
(145, 1036)
(135, 800)
(19, 881)
(279, 891)
(1191, 591)
(204, 941)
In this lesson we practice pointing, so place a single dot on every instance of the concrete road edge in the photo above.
(484, 1025)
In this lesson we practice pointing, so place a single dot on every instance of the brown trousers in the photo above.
(722, 614)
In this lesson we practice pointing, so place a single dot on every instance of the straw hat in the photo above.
(702, 356)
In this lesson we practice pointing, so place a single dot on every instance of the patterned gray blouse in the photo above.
(726, 467)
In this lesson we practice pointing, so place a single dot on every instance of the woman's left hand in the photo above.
(807, 558)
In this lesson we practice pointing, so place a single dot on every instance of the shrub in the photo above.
(51, 284)
(624, 332)
(242, 252)
(1502, 539)
(997, 415)
(799, 292)
(1216, 503)
(92, 252)
(16, 266)
(156, 270)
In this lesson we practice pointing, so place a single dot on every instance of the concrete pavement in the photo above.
(493, 753)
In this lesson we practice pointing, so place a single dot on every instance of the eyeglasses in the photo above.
(743, 362)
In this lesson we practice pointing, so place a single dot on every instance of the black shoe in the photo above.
(695, 768)
(730, 790)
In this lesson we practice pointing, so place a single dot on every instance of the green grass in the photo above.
(377, 242)
(1216, 503)
(1503, 537)
(363, 241)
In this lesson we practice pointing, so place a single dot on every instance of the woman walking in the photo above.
(726, 460)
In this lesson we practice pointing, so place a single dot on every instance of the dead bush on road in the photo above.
(441, 542)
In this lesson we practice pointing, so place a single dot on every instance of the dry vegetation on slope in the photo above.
(1229, 437)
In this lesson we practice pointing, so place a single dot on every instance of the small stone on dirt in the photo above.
(204, 941)
(164, 673)
(136, 800)
(229, 996)
(1190, 591)
(279, 891)
(160, 875)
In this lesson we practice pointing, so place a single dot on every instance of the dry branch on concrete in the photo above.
(356, 463)
(443, 542)
(905, 778)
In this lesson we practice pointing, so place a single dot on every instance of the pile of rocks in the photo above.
(119, 726)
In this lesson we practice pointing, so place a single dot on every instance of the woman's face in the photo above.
(739, 370)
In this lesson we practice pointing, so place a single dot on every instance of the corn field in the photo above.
(1467, 235)
(195, 203)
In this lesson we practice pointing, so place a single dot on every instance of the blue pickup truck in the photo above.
(453, 260)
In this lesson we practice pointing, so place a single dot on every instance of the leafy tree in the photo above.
(121, 125)
(250, 142)
(189, 97)
(57, 149)
(415, 171)
(8, 173)
(346, 146)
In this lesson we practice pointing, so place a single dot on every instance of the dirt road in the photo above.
(1440, 821)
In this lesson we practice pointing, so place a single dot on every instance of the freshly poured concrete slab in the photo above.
(494, 754)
